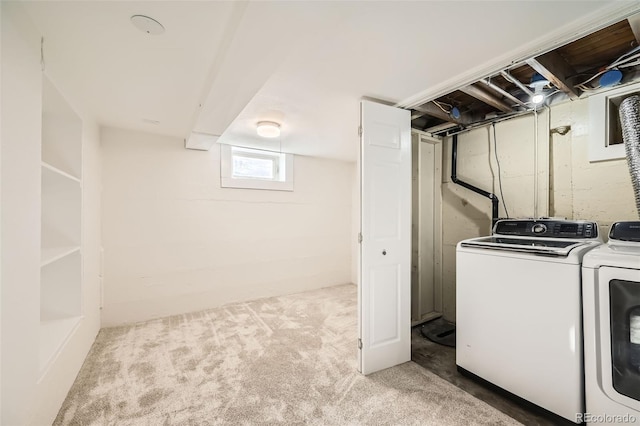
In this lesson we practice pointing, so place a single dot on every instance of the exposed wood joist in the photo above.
(507, 93)
(440, 127)
(487, 98)
(504, 93)
(554, 68)
(434, 111)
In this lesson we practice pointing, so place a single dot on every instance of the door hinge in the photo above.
(359, 130)
(359, 343)
(359, 237)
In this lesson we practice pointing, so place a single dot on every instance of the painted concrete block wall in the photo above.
(599, 191)
(27, 396)
(568, 184)
(466, 214)
(175, 242)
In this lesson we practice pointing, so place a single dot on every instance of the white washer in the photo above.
(611, 297)
(519, 310)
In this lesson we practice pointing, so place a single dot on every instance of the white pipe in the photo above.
(548, 178)
(517, 82)
(535, 165)
(549, 145)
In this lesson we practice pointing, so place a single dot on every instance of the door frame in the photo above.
(427, 228)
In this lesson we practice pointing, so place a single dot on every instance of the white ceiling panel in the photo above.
(221, 67)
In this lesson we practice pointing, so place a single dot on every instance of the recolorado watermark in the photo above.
(606, 418)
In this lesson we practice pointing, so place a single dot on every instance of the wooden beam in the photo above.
(432, 110)
(440, 127)
(554, 68)
(503, 92)
(487, 98)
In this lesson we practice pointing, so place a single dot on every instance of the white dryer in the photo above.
(611, 299)
(519, 312)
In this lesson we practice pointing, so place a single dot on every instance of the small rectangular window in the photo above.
(255, 169)
(605, 132)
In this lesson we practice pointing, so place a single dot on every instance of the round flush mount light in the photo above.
(268, 129)
(147, 25)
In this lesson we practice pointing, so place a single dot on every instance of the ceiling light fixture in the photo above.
(147, 25)
(268, 129)
(538, 82)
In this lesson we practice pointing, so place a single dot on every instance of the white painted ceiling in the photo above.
(220, 67)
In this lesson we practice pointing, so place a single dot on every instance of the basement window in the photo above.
(605, 131)
(255, 169)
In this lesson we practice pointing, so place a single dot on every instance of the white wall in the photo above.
(21, 117)
(27, 396)
(575, 188)
(175, 242)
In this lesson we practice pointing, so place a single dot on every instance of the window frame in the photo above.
(600, 119)
(282, 181)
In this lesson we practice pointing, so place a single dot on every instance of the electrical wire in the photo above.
(495, 153)
(439, 105)
(623, 61)
(631, 52)
(630, 64)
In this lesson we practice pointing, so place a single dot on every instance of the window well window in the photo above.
(604, 123)
(255, 169)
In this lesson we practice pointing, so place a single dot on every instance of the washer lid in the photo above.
(536, 246)
(618, 255)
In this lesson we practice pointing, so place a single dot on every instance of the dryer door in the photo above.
(619, 299)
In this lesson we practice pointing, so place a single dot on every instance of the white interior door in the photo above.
(384, 288)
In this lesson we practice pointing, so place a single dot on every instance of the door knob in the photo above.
(384, 252)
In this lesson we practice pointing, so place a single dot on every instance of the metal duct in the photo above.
(630, 121)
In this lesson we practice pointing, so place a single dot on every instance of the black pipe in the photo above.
(454, 178)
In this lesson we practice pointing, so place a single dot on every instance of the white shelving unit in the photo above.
(61, 257)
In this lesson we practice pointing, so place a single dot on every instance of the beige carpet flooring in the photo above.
(283, 360)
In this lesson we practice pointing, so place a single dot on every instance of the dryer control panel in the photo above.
(549, 228)
(625, 231)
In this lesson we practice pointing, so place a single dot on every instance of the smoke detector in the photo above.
(147, 25)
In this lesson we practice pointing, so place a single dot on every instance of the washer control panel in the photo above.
(550, 228)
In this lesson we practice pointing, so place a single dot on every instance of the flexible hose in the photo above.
(630, 121)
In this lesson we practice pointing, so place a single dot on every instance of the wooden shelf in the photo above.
(61, 132)
(49, 168)
(52, 254)
(54, 332)
(61, 208)
(61, 227)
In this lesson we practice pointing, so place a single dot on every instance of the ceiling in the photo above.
(220, 67)
(568, 72)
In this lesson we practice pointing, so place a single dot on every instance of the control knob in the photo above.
(539, 228)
